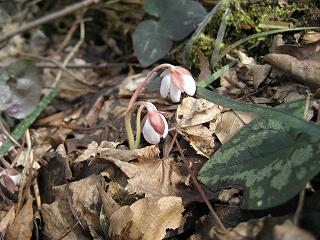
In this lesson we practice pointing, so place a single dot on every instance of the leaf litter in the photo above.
(80, 179)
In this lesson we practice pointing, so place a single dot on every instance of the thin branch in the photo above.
(216, 219)
(63, 12)
(55, 64)
(71, 53)
(77, 65)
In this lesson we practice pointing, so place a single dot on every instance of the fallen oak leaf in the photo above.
(147, 219)
(105, 150)
(152, 177)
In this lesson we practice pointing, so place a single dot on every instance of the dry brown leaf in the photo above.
(244, 59)
(147, 219)
(298, 52)
(201, 139)
(287, 92)
(192, 112)
(243, 231)
(204, 65)
(108, 149)
(153, 177)
(85, 200)
(305, 71)
(190, 116)
(22, 226)
(288, 230)
(229, 123)
(58, 218)
(311, 36)
(6, 220)
(130, 84)
(230, 84)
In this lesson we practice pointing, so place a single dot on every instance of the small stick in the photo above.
(56, 64)
(7, 134)
(197, 185)
(65, 11)
(71, 53)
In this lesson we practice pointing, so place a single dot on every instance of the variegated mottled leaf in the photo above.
(270, 161)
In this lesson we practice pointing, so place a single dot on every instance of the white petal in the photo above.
(175, 93)
(15, 178)
(149, 134)
(189, 85)
(165, 85)
(165, 132)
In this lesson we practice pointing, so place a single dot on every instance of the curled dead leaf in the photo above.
(22, 225)
(108, 149)
(190, 117)
(305, 71)
(147, 219)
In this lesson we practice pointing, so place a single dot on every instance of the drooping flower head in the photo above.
(176, 80)
(155, 125)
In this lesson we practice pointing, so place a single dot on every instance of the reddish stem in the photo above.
(197, 185)
(144, 83)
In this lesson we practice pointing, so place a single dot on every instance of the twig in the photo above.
(70, 33)
(65, 11)
(77, 66)
(7, 134)
(27, 169)
(216, 219)
(71, 53)
(56, 64)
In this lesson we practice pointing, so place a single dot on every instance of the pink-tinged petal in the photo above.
(156, 121)
(177, 80)
(165, 72)
(149, 134)
(175, 93)
(182, 71)
(150, 106)
(189, 85)
(166, 129)
(8, 183)
(165, 86)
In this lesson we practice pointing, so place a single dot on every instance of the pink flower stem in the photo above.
(144, 83)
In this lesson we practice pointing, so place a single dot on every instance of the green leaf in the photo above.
(150, 43)
(268, 159)
(180, 17)
(267, 112)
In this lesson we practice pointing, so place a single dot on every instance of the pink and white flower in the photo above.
(155, 125)
(176, 80)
